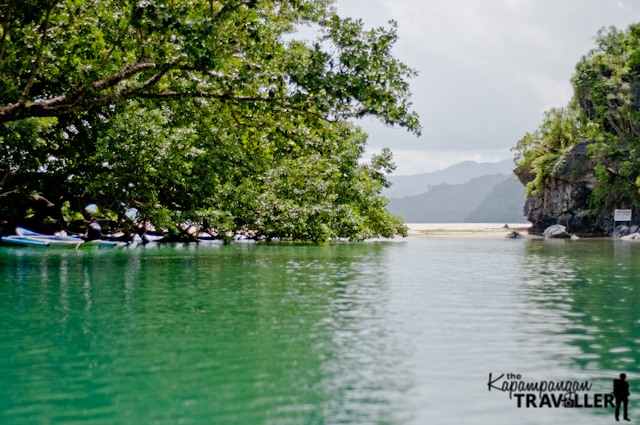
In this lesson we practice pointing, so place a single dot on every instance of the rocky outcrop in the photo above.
(514, 235)
(557, 231)
(565, 200)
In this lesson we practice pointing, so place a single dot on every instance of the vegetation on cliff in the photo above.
(197, 112)
(604, 111)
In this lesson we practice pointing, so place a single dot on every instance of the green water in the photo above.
(401, 332)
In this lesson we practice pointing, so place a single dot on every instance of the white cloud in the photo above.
(488, 69)
(625, 6)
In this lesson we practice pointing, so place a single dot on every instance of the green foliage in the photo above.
(197, 114)
(561, 129)
(605, 111)
(63, 56)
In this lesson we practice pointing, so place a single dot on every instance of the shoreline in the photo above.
(468, 230)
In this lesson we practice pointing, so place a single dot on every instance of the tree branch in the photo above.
(228, 8)
(14, 111)
(36, 66)
(128, 93)
(62, 104)
(13, 191)
(276, 100)
(77, 99)
(204, 94)
(18, 186)
(124, 75)
(5, 60)
(6, 177)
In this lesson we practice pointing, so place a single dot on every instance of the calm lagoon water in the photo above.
(402, 332)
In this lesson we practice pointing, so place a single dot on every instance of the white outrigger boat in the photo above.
(28, 237)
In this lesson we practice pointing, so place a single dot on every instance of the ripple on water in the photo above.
(384, 332)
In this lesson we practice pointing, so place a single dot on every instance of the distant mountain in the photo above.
(456, 174)
(503, 204)
(446, 203)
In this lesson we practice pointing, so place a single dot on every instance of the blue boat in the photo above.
(28, 237)
(25, 241)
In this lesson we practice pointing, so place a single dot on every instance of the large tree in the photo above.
(200, 112)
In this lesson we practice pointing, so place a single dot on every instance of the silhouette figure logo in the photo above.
(621, 393)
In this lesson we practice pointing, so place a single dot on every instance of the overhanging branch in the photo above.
(73, 100)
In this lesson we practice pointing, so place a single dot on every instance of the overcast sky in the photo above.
(488, 69)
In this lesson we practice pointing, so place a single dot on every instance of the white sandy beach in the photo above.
(466, 230)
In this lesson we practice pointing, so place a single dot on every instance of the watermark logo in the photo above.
(621, 392)
(561, 394)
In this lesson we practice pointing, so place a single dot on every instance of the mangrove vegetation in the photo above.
(196, 116)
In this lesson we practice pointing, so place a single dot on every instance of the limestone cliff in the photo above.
(565, 199)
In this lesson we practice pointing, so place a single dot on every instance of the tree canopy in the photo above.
(604, 111)
(207, 113)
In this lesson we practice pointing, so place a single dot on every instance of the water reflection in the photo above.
(586, 296)
(242, 334)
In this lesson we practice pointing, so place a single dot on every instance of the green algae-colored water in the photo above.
(402, 332)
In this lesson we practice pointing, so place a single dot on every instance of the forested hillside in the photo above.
(461, 172)
(445, 203)
(503, 204)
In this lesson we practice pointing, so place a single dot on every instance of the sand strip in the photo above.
(467, 230)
